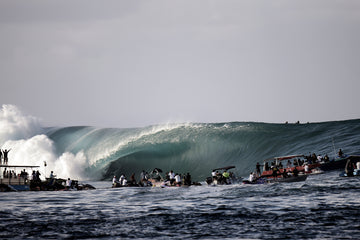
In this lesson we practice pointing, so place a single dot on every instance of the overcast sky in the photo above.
(137, 63)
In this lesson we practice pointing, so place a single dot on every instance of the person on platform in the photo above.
(5, 152)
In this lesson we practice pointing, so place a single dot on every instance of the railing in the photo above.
(14, 181)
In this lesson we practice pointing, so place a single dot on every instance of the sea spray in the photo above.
(22, 134)
(15, 125)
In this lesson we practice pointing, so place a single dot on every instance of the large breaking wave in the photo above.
(99, 153)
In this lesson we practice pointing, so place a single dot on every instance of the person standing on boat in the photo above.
(171, 177)
(258, 171)
(0, 156)
(213, 174)
(177, 179)
(226, 176)
(5, 152)
(68, 183)
(340, 153)
(251, 177)
(52, 175)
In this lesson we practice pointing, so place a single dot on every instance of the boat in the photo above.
(338, 163)
(221, 176)
(10, 180)
(256, 181)
(299, 178)
(352, 167)
(155, 179)
(279, 179)
(293, 162)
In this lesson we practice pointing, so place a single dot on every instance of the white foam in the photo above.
(23, 135)
(15, 125)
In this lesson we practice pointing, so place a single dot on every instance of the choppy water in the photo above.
(325, 206)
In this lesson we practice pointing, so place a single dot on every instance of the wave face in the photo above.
(100, 153)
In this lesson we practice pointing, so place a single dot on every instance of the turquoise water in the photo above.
(199, 148)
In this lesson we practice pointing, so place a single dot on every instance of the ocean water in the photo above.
(325, 206)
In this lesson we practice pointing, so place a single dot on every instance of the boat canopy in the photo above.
(224, 168)
(283, 158)
(157, 170)
(18, 166)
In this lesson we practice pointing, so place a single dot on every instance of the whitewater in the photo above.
(91, 153)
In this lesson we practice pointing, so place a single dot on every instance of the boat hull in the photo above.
(299, 178)
(338, 163)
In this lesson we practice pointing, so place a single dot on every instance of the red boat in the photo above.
(288, 163)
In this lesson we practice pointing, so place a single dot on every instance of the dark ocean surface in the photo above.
(325, 206)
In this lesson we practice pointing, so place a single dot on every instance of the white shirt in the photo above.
(358, 165)
(251, 177)
(68, 183)
(177, 178)
(124, 182)
(172, 175)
